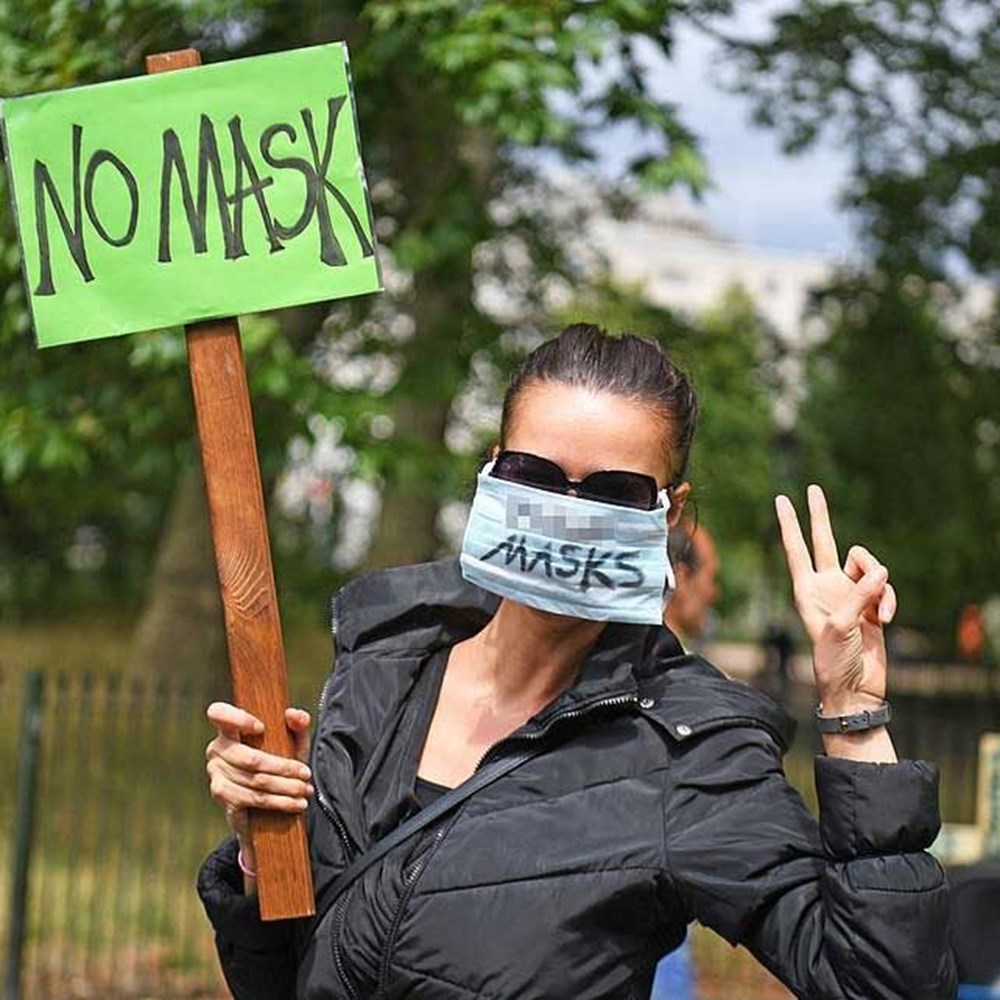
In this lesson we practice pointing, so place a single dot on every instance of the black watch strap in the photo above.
(870, 718)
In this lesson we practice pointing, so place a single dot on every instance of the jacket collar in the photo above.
(409, 612)
(415, 610)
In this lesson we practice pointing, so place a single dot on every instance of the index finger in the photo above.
(796, 552)
(233, 722)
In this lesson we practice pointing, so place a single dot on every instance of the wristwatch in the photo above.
(870, 718)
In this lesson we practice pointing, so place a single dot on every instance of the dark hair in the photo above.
(629, 366)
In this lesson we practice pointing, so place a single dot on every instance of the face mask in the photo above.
(568, 555)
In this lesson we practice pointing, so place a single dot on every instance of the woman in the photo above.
(653, 792)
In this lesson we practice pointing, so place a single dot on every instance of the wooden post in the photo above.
(246, 577)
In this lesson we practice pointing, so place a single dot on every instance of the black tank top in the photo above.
(427, 791)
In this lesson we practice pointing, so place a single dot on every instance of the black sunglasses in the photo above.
(624, 489)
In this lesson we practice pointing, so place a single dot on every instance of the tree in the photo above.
(910, 90)
(486, 82)
(902, 413)
(452, 96)
(81, 437)
(902, 430)
(93, 437)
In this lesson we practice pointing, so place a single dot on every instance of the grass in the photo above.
(123, 815)
(101, 647)
(122, 822)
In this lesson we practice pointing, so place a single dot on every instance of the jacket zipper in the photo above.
(322, 800)
(572, 713)
(338, 824)
(338, 959)
(411, 877)
(409, 884)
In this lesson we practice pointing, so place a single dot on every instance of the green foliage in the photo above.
(450, 96)
(556, 74)
(901, 418)
(901, 427)
(94, 435)
(70, 420)
(910, 90)
(735, 472)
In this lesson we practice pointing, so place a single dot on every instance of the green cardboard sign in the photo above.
(193, 194)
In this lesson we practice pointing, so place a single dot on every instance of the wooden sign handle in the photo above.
(246, 577)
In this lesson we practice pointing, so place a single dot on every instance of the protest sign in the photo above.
(159, 200)
(190, 197)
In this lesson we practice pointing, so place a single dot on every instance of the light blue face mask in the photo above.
(568, 555)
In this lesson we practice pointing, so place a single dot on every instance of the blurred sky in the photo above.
(761, 197)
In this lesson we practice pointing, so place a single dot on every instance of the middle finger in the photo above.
(249, 759)
(260, 781)
(824, 544)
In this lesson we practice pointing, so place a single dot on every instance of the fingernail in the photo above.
(310, 789)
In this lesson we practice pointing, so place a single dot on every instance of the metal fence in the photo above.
(122, 819)
(121, 822)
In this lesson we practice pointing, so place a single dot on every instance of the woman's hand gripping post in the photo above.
(242, 778)
(844, 609)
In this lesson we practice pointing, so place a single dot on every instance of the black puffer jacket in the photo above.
(659, 799)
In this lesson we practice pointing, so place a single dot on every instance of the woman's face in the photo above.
(584, 431)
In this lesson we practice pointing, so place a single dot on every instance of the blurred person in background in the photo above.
(779, 648)
(696, 568)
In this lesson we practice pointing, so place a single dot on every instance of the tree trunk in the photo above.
(448, 330)
(181, 630)
(434, 365)
(407, 529)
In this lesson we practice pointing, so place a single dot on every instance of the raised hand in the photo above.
(844, 609)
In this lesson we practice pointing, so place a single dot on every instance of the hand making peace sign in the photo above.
(844, 609)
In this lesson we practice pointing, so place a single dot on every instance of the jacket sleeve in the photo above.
(258, 959)
(850, 908)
